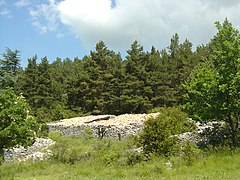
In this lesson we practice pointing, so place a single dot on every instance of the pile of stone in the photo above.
(37, 151)
(198, 137)
(102, 126)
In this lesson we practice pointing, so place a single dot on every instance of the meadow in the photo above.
(88, 158)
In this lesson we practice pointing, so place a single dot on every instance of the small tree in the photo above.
(16, 126)
(9, 66)
(213, 90)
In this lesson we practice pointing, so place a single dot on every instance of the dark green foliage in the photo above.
(136, 92)
(181, 62)
(27, 82)
(17, 127)
(45, 87)
(219, 135)
(134, 158)
(9, 66)
(100, 85)
(190, 153)
(159, 134)
(35, 85)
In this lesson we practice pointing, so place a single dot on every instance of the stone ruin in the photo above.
(38, 151)
(102, 126)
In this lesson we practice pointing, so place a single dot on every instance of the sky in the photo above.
(71, 28)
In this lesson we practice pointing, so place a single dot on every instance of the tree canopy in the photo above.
(9, 66)
(104, 82)
(213, 90)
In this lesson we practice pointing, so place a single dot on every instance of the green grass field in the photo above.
(85, 158)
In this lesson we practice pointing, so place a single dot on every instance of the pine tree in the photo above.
(27, 82)
(9, 66)
(102, 67)
(135, 98)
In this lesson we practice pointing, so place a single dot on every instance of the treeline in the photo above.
(103, 82)
(205, 82)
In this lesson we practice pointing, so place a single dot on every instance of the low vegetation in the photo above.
(89, 158)
(84, 158)
(159, 135)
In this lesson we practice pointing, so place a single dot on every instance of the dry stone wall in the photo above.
(102, 126)
(37, 151)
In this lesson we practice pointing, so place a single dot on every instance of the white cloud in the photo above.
(60, 35)
(42, 28)
(151, 22)
(23, 3)
(221, 3)
(6, 13)
(45, 16)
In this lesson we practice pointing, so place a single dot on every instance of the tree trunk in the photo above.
(233, 127)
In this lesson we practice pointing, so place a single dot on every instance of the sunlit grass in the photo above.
(108, 160)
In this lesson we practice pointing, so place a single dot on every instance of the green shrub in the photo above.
(43, 130)
(134, 158)
(159, 134)
(17, 127)
(111, 157)
(107, 150)
(190, 153)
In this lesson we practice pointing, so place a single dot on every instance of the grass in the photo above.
(109, 159)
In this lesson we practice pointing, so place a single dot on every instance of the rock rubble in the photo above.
(103, 126)
(37, 151)
(198, 137)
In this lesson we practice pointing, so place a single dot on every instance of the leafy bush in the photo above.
(190, 153)
(111, 157)
(17, 127)
(134, 158)
(216, 136)
(159, 134)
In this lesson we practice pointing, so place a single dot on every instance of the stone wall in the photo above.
(37, 151)
(103, 126)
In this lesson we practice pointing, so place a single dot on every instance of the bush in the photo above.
(17, 127)
(134, 158)
(216, 136)
(159, 134)
(190, 153)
